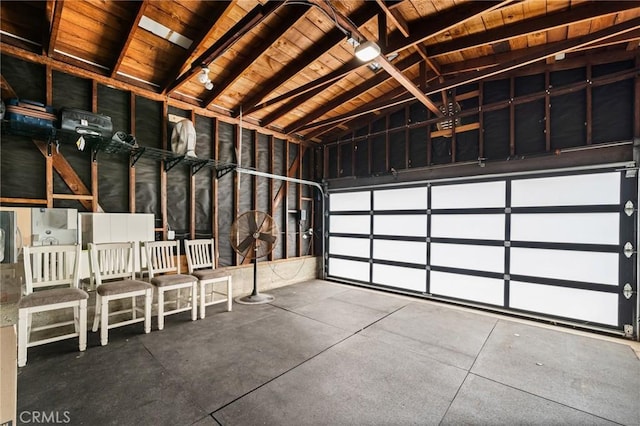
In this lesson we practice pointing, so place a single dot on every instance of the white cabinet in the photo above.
(115, 228)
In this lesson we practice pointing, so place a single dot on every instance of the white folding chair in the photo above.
(201, 262)
(163, 257)
(114, 273)
(51, 283)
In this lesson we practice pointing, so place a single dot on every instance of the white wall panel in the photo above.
(410, 225)
(477, 289)
(349, 269)
(583, 228)
(466, 256)
(591, 189)
(399, 277)
(358, 247)
(569, 265)
(468, 195)
(400, 251)
(468, 226)
(574, 303)
(401, 199)
(350, 201)
(350, 224)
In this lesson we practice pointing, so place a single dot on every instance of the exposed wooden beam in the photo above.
(239, 30)
(459, 14)
(142, 6)
(576, 14)
(360, 17)
(238, 68)
(199, 41)
(60, 164)
(54, 27)
(381, 59)
(395, 16)
(7, 90)
(348, 95)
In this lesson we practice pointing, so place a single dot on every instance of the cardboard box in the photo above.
(8, 375)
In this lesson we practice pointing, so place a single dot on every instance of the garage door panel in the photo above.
(400, 251)
(586, 189)
(349, 269)
(469, 195)
(467, 287)
(345, 246)
(401, 199)
(576, 228)
(400, 277)
(584, 305)
(468, 226)
(350, 201)
(570, 265)
(403, 225)
(467, 256)
(350, 224)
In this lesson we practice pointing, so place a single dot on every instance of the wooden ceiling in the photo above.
(288, 66)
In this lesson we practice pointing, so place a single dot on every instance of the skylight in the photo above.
(164, 32)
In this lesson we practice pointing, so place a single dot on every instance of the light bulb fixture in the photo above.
(208, 85)
(203, 77)
(367, 51)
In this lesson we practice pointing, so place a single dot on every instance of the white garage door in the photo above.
(550, 245)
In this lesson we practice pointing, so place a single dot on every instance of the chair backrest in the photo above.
(112, 261)
(48, 266)
(162, 257)
(200, 254)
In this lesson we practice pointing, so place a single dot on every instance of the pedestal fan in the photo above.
(254, 235)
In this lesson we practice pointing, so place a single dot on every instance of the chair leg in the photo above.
(96, 315)
(148, 301)
(194, 301)
(82, 320)
(203, 296)
(160, 309)
(134, 312)
(23, 336)
(104, 321)
(229, 295)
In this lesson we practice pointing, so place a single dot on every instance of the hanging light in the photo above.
(203, 77)
(208, 85)
(367, 51)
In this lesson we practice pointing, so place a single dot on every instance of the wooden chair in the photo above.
(164, 257)
(201, 262)
(113, 269)
(51, 283)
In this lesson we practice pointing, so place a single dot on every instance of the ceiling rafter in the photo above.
(240, 67)
(142, 6)
(460, 14)
(577, 14)
(381, 59)
(196, 45)
(349, 95)
(54, 27)
(488, 62)
(395, 16)
(518, 59)
(242, 27)
(360, 17)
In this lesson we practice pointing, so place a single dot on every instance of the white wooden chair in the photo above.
(201, 261)
(51, 283)
(114, 272)
(164, 257)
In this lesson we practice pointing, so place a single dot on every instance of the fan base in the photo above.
(256, 299)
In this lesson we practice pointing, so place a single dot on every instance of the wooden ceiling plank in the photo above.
(382, 60)
(459, 14)
(127, 41)
(529, 56)
(195, 46)
(396, 17)
(242, 27)
(531, 26)
(360, 17)
(240, 67)
(348, 95)
(55, 27)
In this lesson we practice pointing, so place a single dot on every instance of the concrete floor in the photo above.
(330, 354)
